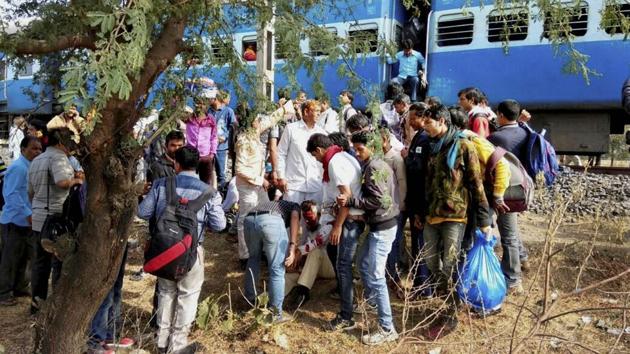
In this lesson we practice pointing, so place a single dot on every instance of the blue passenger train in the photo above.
(466, 48)
(463, 43)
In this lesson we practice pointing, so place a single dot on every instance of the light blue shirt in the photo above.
(409, 65)
(17, 207)
(224, 117)
(188, 186)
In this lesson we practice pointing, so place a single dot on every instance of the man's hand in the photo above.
(417, 222)
(487, 231)
(76, 181)
(404, 152)
(147, 188)
(500, 206)
(291, 257)
(79, 175)
(265, 184)
(342, 200)
(30, 219)
(274, 178)
(296, 262)
(524, 117)
(282, 185)
(335, 235)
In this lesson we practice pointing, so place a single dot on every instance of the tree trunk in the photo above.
(89, 274)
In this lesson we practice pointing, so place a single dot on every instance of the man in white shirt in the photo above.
(329, 118)
(299, 174)
(342, 175)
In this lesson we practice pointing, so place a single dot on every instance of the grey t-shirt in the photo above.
(45, 171)
(271, 133)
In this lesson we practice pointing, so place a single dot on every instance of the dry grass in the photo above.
(474, 335)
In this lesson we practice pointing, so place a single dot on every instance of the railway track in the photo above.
(604, 170)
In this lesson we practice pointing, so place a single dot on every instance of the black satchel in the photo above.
(58, 224)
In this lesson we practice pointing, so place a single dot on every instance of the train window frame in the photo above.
(318, 52)
(26, 71)
(576, 31)
(607, 24)
(246, 40)
(364, 27)
(469, 17)
(509, 15)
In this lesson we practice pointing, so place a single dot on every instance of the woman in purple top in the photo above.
(201, 133)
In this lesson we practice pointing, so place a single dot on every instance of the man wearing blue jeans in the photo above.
(381, 214)
(341, 175)
(411, 63)
(513, 138)
(225, 118)
(266, 230)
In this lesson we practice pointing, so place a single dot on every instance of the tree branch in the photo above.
(30, 47)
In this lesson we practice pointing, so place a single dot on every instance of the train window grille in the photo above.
(281, 50)
(26, 70)
(362, 39)
(571, 19)
(398, 36)
(318, 48)
(455, 29)
(509, 25)
(220, 49)
(616, 18)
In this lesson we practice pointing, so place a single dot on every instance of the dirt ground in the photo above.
(587, 331)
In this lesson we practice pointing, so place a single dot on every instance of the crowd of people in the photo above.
(318, 192)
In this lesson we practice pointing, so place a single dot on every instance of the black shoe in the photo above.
(10, 301)
(441, 328)
(297, 297)
(338, 324)
(191, 348)
(243, 263)
(21, 293)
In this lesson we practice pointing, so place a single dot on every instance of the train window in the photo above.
(616, 18)
(3, 70)
(220, 49)
(27, 70)
(250, 48)
(508, 25)
(455, 29)
(571, 19)
(398, 36)
(363, 39)
(317, 48)
(281, 49)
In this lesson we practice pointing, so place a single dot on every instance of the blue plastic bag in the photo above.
(482, 283)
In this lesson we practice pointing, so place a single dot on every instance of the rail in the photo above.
(604, 170)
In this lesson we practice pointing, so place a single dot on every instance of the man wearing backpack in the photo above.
(177, 300)
(512, 137)
(50, 178)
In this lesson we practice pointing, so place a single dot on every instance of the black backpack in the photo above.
(172, 247)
